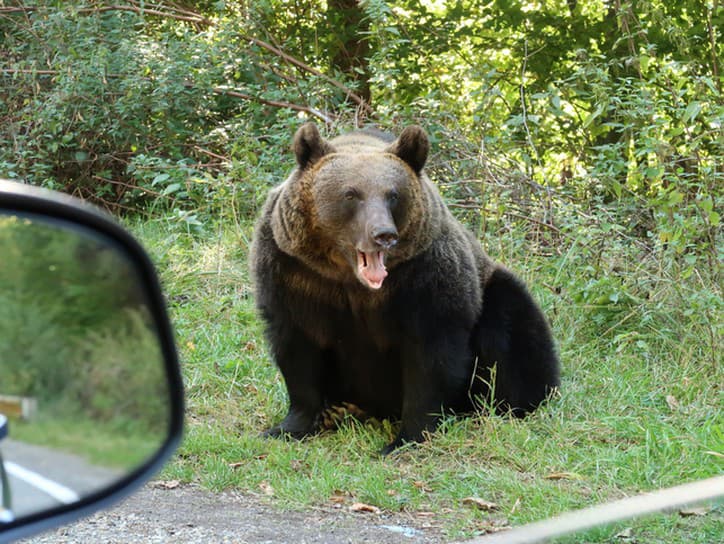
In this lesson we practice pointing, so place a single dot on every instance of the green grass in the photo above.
(640, 405)
(104, 444)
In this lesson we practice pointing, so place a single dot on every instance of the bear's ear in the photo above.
(309, 146)
(412, 147)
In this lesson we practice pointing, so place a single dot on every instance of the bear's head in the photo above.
(361, 197)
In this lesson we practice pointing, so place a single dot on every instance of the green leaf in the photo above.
(644, 62)
(692, 110)
(591, 117)
(707, 204)
(172, 188)
(159, 178)
(675, 197)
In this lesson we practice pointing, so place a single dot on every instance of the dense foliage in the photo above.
(613, 107)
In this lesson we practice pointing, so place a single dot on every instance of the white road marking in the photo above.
(49, 487)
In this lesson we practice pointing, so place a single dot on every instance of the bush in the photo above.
(552, 121)
(78, 336)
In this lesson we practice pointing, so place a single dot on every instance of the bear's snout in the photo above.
(380, 227)
(385, 237)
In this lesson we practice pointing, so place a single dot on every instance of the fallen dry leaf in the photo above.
(165, 484)
(493, 526)
(480, 504)
(362, 507)
(694, 511)
(266, 488)
(297, 465)
(672, 402)
(338, 498)
(425, 514)
(421, 486)
(237, 465)
(563, 476)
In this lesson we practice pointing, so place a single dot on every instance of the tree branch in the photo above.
(299, 64)
(712, 44)
(327, 118)
(145, 11)
(134, 6)
(277, 104)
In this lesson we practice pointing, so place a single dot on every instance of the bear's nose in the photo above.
(385, 236)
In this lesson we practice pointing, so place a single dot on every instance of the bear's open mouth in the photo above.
(371, 268)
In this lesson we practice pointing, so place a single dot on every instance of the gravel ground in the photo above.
(187, 514)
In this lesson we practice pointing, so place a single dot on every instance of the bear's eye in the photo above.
(351, 194)
(393, 197)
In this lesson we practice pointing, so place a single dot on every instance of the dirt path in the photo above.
(187, 514)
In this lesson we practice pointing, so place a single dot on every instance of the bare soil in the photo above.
(188, 514)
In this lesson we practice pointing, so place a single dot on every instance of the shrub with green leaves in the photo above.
(598, 105)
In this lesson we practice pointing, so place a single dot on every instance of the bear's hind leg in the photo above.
(435, 376)
(514, 337)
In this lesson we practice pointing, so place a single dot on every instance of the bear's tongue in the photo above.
(371, 268)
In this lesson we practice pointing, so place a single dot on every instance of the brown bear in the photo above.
(373, 294)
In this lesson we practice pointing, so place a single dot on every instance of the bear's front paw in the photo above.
(389, 448)
(296, 425)
(397, 444)
(279, 432)
(411, 434)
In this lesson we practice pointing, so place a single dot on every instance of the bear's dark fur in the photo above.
(374, 294)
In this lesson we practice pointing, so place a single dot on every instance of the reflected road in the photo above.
(41, 477)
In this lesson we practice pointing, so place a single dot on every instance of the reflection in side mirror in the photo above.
(81, 370)
(89, 390)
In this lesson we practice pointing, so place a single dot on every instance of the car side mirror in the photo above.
(91, 398)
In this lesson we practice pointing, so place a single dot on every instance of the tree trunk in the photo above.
(349, 54)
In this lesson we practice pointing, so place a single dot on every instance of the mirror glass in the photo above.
(83, 390)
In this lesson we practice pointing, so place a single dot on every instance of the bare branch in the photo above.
(299, 64)
(133, 6)
(277, 104)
